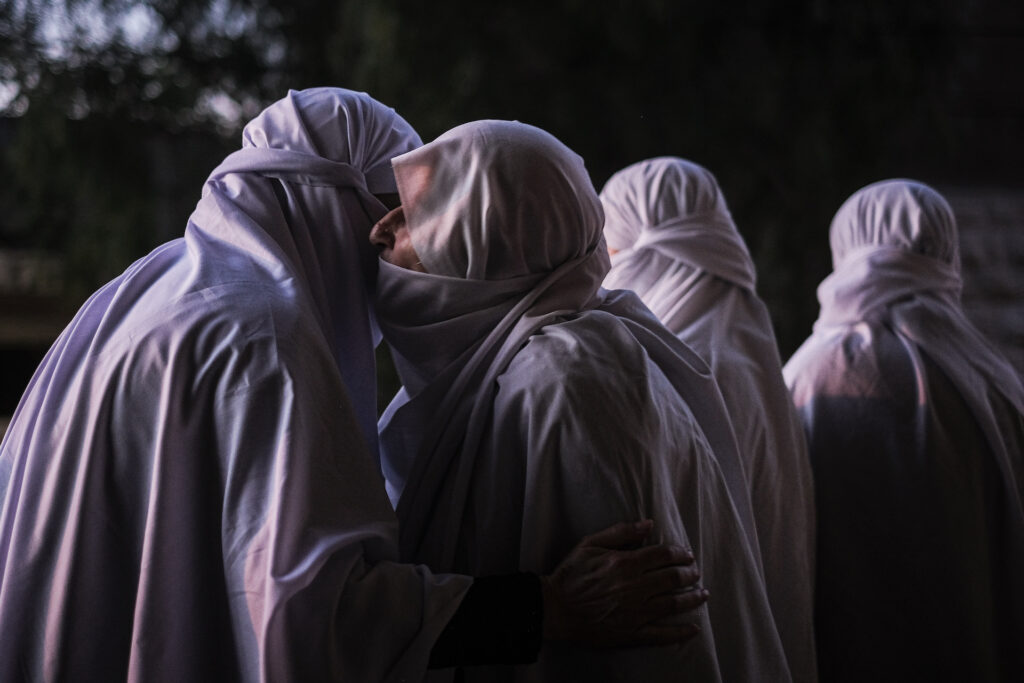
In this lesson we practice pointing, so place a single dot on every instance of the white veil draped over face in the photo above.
(496, 464)
(190, 486)
(509, 281)
(485, 290)
(915, 426)
(680, 251)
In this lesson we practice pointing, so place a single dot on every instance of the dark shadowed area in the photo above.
(112, 112)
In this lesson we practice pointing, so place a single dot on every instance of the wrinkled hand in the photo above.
(609, 593)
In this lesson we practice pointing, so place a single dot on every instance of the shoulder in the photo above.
(225, 338)
(587, 380)
(857, 360)
(588, 354)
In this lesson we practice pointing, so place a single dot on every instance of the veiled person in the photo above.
(915, 425)
(536, 406)
(674, 243)
(171, 478)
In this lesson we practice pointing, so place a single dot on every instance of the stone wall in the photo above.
(991, 223)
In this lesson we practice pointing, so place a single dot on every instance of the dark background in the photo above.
(111, 120)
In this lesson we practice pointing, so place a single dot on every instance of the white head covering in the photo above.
(316, 141)
(450, 208)
(189, 486)
(896, 262)
(900, 214)
(506, 220)
(680, 251)
(673, 208)
(916, 429)
(485, 289)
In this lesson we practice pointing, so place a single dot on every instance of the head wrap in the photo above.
(895, 253)
(330, 150)
(668, 210)
(896, 259)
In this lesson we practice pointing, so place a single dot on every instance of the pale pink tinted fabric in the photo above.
(537, 407)
(680, 251)
(915, 427)
(190, 488)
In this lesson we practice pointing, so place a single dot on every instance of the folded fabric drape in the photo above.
(680, 251)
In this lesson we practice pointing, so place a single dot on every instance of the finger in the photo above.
(668, 580)
(673, 604)
(619, 536)
(653, 558)
(663, 635)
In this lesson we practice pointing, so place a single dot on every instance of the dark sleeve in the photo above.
(498, 622)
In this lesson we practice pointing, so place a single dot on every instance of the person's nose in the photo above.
(382, 236)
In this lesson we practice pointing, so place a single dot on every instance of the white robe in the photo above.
(679, 250)
(189, 487)
(537, 408)
(916, 432)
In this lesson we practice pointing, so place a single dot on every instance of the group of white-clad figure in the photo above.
(596, 467)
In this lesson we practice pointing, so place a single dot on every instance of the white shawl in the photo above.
(680, 251)
(916, 430)
(538, 407)
(189, 486)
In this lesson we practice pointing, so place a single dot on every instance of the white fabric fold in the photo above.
(538, 408)
(681, 252)
(708, 242)
(189, 487)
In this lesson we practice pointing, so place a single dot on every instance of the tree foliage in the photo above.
(113, 120)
